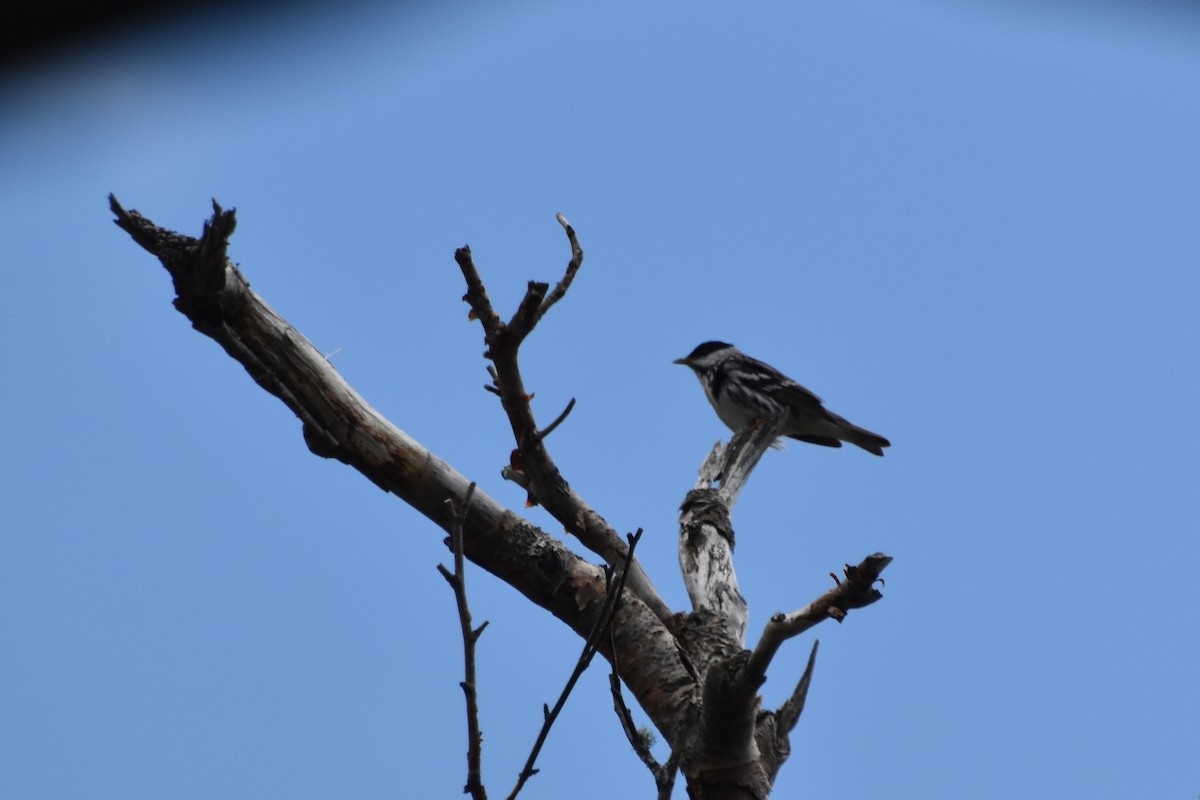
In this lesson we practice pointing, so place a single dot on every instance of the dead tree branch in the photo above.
(731, 687)
(557, 421)
(615, 585)
(856, 591)
(339, 424)
(690, 672)
(560, 289)
(735, 743)
(706, 537)
(638, 741)
(470, 636)
(532, 467)
(736, 461)
(664, 774)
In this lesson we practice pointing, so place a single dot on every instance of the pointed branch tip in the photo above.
(540, 435)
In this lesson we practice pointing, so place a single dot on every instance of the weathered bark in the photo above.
(691, 673)
(338, 423)
(706, 537)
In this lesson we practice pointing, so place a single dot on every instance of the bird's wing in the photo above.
(769, 381)
(793, 395)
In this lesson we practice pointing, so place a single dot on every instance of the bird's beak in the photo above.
(683, 361)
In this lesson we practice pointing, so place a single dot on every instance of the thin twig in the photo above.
(664, 774)
(558, 421)
(476, 296)
(458, 582)
(612, 602)
(629, 726)
(573, 265)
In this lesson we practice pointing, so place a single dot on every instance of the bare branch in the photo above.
(470, 635)
(753, 745)
(856, 591)
(706, 536)
(558, 420)
(528, 312)
(615, 586)
(476, 296)
(573, 265)
(537, 472)
(743, 453)
(339, 423)
(207, 288)
(693, 677)
(664, 774)
(636, 740)
(709, 473)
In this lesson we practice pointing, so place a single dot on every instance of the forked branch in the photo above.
(532, 466)
(338, 423)
(690, 672)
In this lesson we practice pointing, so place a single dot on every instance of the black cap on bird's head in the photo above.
(702, 350)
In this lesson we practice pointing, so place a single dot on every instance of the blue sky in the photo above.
(972, 230)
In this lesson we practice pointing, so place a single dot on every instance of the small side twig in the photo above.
(458, 582)
(637, 741)
(573, 265)
(664, 775)
(542, 434)
(612, 603)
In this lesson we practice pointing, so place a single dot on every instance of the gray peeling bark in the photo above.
(690, 672)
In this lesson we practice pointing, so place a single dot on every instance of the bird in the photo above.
(743, 390)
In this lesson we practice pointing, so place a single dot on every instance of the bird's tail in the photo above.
(871, 442)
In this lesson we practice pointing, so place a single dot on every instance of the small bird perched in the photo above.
(742, 389)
